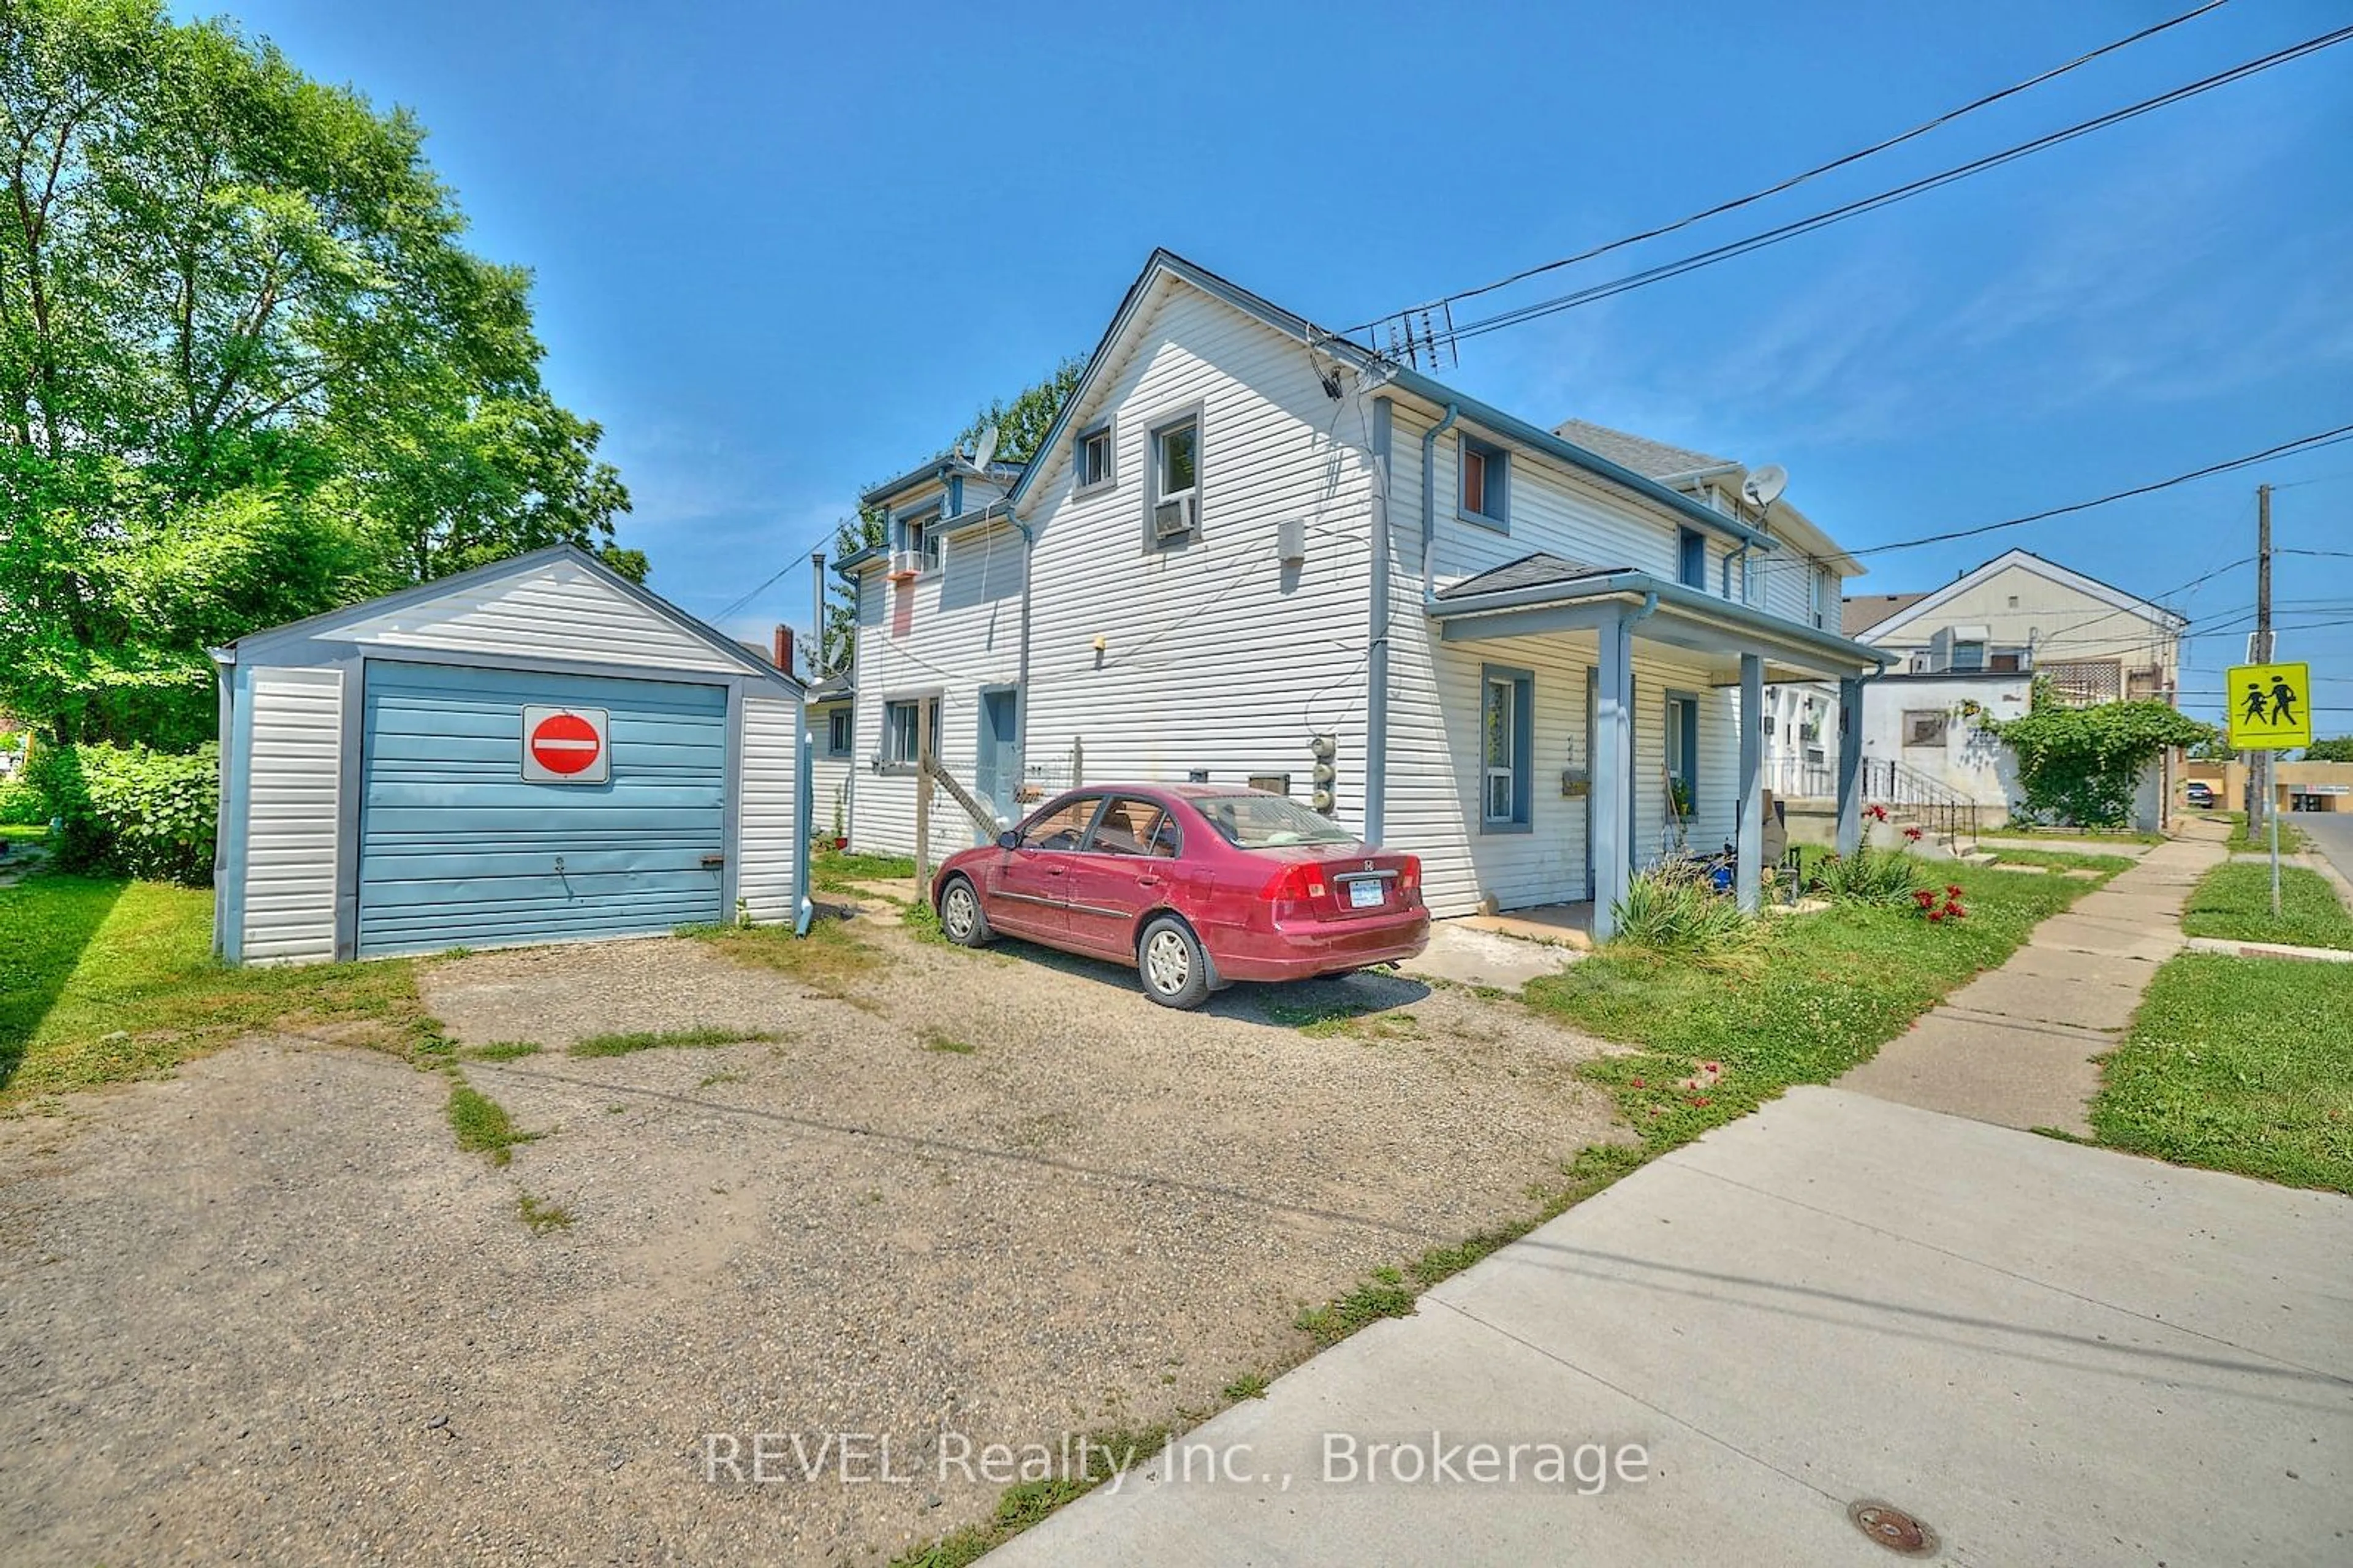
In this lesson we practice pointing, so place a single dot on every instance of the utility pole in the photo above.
(2260, 793)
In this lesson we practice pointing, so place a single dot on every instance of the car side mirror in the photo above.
(1009, 840)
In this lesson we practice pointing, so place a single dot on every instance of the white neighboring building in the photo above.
(1251, 551)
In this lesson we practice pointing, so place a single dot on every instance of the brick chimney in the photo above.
(784, 648)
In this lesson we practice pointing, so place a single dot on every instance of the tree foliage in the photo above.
(248, 370)
(2332, 748)
(2083, 765)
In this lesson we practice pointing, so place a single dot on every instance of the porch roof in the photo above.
(1542, 593)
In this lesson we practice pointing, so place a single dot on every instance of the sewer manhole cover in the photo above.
(1894, 1529)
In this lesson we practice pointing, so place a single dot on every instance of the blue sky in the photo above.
(783, 250)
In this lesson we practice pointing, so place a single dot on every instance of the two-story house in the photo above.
(1251, 552)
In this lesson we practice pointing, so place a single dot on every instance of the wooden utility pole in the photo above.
(2259, 763)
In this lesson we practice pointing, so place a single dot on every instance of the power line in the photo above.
(1794, 181)
(1726, 252)
(2301, 444)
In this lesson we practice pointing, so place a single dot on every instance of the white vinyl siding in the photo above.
(562, 612)
(293, 789)
(764, 807)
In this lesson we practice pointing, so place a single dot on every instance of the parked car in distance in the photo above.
(1197, 885)
(2200, 793)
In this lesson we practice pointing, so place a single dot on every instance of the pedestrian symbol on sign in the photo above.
(2271, 708)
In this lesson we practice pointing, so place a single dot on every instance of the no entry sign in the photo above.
(566, 745)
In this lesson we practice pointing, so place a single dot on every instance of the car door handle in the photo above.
(1054, 870)
(1147, 880)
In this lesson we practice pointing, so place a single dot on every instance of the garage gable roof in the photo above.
(523, 602)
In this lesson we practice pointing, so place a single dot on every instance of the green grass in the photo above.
(941, 1041)
(105, 981)
(2234, 901)
(701, 1038)
(830, 960)
(1337, 1018)
(1817, 995)
(501, 1051)
(1249, 1386)
(833, 870)
(2063, 859)
(2113, 834)
(2291, 837)
(22, 833)
(2239, 1064)
(1107, 1454)
(482, 1124)
(542, 1217)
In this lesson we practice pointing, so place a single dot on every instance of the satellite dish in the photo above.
(985, 449)
(1764, 485)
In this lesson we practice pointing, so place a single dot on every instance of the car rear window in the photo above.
(1268, 822)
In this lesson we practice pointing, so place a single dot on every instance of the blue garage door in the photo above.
(457, 850)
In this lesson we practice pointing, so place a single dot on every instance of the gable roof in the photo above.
(358, 618)
(1166, 264)
(1860, 612)
(2026, 560)
(1655, 459)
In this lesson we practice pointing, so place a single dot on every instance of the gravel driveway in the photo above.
(267, 1311)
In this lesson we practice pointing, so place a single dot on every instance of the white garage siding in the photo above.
(765, 807)
(294, 804)
(1216, 656)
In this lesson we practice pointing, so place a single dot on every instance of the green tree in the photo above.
(2082, 765)
(248, 371)
(2336, 749)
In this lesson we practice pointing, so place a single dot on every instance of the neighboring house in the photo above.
(1978, 644)
(1255, 553)
(833, 733)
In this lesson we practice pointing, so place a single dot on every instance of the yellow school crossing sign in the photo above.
(2271, 706)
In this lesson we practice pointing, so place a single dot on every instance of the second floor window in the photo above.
(1094, 458)
(1691, 559)
(1176, 481)
(1486, 482)
(920, 536)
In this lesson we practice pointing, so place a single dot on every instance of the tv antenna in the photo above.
(1764, 485)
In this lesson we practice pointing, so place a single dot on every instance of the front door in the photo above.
(994, 769)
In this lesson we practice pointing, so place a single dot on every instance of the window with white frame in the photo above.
(1506, 720)
(919, 536)
(904, 723)
(1091, 457)
(1176, 514)
(1485, 489)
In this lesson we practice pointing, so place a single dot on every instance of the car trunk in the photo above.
(1337, 882)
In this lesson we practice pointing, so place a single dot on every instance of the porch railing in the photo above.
(1794, 778)
(1935, 806)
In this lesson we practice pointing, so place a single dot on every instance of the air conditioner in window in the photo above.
(1173, 519)
(904, 564)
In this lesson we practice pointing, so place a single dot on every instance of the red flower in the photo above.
(1924, 898)
(1911, 836)
(1634, 1083)
(1936, 914)
(1709, 1067)
(1951, 891)
(1698, 1101)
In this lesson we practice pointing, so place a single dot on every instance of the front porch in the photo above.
(1646, 754)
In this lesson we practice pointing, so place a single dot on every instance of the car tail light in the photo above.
(1409, 874)
(1294, 884)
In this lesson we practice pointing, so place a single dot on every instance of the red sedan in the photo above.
(1194, 885)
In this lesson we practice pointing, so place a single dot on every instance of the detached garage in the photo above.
(536, 750)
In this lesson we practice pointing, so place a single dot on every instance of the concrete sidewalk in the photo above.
(2047, 1353)
(2016, 1046)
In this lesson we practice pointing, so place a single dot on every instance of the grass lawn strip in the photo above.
(2235, 902)
(2240, 1064)
(665, 1039)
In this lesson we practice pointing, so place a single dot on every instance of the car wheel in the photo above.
(961, 920)
(1174, 965)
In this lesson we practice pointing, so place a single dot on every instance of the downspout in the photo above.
(1021, 664)
(1430, 499)
(1376, 644)
(805, 789)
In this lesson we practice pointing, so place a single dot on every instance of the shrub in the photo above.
(2082, 765)
(1672, 908)
(22, 805)
(1869, 876)
(127, 808)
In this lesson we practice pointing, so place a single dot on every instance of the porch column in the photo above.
(1748, 876)
(1611, 796)
(1850, 765)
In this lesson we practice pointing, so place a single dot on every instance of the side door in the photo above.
(992, 767)
(1029, 896)
(1122, 871)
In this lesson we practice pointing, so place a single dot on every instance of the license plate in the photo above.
(1364, 895)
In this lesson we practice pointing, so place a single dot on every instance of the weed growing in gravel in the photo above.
(664, 1039)
(937, 1040)
(715, 1080)
(482, 1124)
(1384, 1295)
(828, 960)
(501, 1051)
(542, 1217)
(1106, 1453)
(1249, 1386)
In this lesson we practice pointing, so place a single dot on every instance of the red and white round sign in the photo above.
(564, 745)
